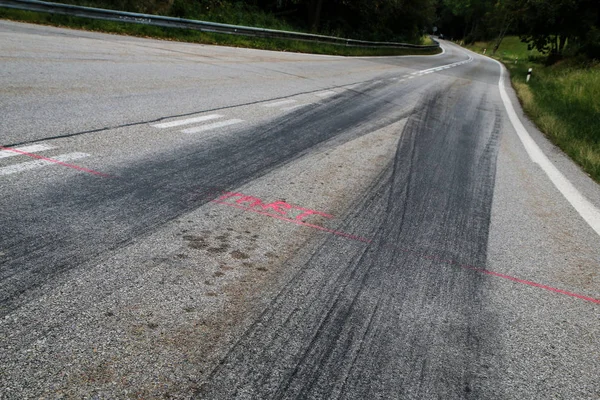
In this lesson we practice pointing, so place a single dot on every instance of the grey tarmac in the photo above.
(187, 221)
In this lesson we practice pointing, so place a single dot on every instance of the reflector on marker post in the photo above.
(529, 74)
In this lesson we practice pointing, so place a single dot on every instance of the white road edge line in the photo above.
(13, 169)
(587, 210)
(34, 148)
(186, 121)
(213, 126)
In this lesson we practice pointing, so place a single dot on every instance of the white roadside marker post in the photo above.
(529, 74)
(484, 50)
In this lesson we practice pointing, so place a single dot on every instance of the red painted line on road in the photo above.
(507, 277)
(279, 210)
(294, 221)
(534, 284)
(64, 164)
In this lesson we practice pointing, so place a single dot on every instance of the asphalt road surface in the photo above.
(188, 221)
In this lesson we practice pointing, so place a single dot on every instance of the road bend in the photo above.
(190, 221)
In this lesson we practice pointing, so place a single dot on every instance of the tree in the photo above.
(551, 25)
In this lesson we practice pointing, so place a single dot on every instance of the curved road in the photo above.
(186, 221)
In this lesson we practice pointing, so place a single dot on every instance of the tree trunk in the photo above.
(562, 43)
(314, 17)
(502, 33)
(554, 44)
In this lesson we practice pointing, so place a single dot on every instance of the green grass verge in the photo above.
(563, 100)
(193, 36)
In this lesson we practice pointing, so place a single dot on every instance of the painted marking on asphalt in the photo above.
(188, 121)
(280, 210)
(279, 103)
(325, 94)
(436, 69)
(26, 149)
(216, 125)
(583, 206)
(298, 215)
(295, 107)
(503, 276)
(534, 284)
(45, 161)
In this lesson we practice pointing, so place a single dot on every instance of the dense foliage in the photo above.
(388, 20)
(378, 20)
(553, 27)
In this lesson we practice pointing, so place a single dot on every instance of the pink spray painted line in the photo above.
(64, 164)
(257, 202)
(507, 277)
(321, 228)
(534, 284)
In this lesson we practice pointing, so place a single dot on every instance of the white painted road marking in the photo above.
(216, 125)
(186, 121)
(294, 107)
(279, 103)
(26, 149)
(13, 169)
(325, 94)
(587, 210)
(434, 69)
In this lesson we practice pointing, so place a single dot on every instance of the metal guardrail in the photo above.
(171, 22)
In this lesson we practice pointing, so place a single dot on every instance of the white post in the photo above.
(529, 74)
(484, 50)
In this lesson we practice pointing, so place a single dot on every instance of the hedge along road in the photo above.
(195, 221)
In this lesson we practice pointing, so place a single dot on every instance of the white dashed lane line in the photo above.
(279, 103)
(204, 128)
(440, 68)
(26, 149)
(29, 165)
(325, 94)
(188, 121)
(294, 107)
